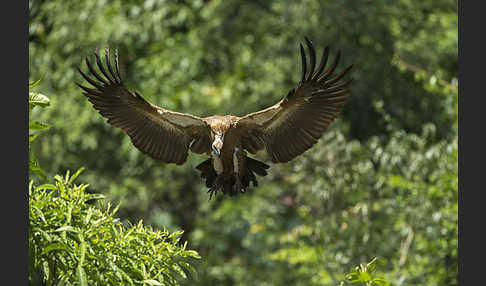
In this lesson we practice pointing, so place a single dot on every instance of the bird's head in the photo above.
(218, 143)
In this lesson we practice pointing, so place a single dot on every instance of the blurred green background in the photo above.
(381, 182)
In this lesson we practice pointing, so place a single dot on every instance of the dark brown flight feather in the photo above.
(160, 133)
(285, 130)
(296, 123)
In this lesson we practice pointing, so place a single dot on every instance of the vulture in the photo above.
(284, 130)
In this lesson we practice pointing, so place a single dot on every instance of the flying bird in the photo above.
(285, 130)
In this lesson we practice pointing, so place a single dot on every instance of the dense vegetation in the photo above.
(381, 182)
(72, 241)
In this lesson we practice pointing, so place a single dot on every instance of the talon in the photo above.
(212, 191)
(238, 186)
(215, 187)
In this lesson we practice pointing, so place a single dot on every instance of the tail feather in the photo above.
(256, 166)
(208, 172)
(228, 187)
(252, 167)
(249, 177)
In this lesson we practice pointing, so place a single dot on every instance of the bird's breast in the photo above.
(225, 162)
(217, 163)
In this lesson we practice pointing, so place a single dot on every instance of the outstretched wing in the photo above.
(294, 124)
(160, 133)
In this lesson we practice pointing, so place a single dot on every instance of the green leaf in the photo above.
(127, 277)
(380, 282)
(38, 99)
(353, 277)
(37, 126)
(370, 267)
(88, 215)
(192, 253)
(63, 281)
(116, 270)
(32, 137)
(96, 196)
(364, 276)
(144, 270)
(66, 228)
(34, 166)
(38, 171)
(44, 234)
(31, 85)
(152, 282)
(187, 266)
(54, 246)
(46, 270)
(46, 187)
(39, 213)
(73, 177)
(179, 270)
(82, 249)
(81, 276)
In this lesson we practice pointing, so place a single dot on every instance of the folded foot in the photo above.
(215, 187)
(238, 187)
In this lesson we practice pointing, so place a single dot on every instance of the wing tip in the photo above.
(304, 63)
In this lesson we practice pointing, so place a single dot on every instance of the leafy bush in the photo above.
(364, 275)
(374, 185)
(74, 237)
(341, 204)
(72, 240)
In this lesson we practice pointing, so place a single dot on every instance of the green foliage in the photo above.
(71, 240)
(364, 275)
(335, 207)
(36, 99)
(382, 182)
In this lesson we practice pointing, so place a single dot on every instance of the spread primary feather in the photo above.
(285, 130)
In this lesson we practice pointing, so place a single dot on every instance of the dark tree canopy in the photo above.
(382, 181)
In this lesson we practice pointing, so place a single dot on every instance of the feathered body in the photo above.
(231, 171)
(285, 130)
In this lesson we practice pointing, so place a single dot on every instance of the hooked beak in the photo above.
(217, 144)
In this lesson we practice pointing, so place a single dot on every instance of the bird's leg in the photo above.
(216, 186)
(211, 191)
(218, 168)
(238, 186)
(238, 165)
